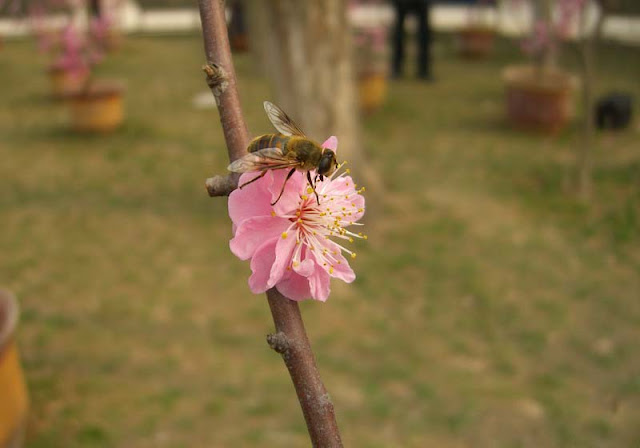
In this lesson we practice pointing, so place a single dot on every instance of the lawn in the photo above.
(491, 308)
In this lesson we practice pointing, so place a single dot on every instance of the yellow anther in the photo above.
(351, 240)
(298, 213)
(365, 237)
(273, 213)
(331, 270)
(347, 171)
(353, 255)
(309, 190)
(304, 197)
(299, 221)
(295, 264)
(284, 235)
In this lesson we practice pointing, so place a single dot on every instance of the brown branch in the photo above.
(290, 339)
(221, 185)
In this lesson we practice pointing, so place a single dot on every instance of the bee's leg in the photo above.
(293, 170)
(313, 187)
(254, 179)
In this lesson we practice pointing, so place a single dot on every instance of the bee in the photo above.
(290, 149)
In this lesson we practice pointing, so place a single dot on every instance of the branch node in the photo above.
(279, 343)
(217, 79)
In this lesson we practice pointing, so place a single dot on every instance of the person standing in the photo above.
(421, 9)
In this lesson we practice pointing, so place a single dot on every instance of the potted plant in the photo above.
(539, 96)
(97, 106)
(371, 59)
(69, 71)
(94, 106)
(477, 37)
(14, 403)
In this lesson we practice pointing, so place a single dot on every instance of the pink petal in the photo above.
(331, 143)
(250, 201)
(284, 252)
(290, 199)
(294, 287)
(305, 268)
(341, 270)
(253, 232)
(319, 284)
(261, 264)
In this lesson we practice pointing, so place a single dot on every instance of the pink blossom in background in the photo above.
(99, 27)
(293, 246)
(546, 34)
(540, 39)
(72, 57)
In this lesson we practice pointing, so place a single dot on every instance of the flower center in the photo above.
(316, 226)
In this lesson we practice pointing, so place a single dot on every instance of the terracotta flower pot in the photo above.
(97, 109)
(372, 91)
(539, 100)
(476, 42)
(66, 82)
(14, 403)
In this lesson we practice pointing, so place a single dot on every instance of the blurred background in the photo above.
(497, 297)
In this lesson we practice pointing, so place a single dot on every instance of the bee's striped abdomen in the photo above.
(269, 141)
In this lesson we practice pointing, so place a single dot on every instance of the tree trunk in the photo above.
(588, 44)
(304, 49)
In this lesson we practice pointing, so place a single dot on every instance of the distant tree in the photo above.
(304, 48)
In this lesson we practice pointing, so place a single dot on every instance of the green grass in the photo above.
(491, 309)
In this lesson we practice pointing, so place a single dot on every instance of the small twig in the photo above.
(279, 343)
(222, 185)
(290, 339)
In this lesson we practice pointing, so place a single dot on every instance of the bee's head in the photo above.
(328, 162)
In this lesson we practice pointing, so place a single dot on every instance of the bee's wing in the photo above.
(281, 121)
(264, 159)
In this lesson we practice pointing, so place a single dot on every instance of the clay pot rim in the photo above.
(98, 89)
(528, 77)
(8, 318)
(54, 69)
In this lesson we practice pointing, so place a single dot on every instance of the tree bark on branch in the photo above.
(290, 339)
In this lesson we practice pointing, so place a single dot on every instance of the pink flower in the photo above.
(291, 245)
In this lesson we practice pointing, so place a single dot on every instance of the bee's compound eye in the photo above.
(325, 165)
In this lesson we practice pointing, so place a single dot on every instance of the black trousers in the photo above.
(421, 10)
